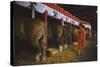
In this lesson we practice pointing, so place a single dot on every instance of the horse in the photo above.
(65, 35)
(33, 31)
(55, 32)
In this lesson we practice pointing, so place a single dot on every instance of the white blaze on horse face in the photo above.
(60, 48)
(44, 58)
(38, 57)
(65, 46)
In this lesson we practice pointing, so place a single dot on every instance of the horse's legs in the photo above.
(38, 49)
(65, 41)
(43, 49)
(60, 44)
(40, 46)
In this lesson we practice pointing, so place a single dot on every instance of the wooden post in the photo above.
(70, 34)
(46, 28)
(46, 37)
(62, 21)
(61, 38)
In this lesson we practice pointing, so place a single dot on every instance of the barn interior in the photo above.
(24, 51)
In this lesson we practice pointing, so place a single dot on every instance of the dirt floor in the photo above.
(69, 54)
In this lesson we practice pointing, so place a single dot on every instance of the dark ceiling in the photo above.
(86, 13)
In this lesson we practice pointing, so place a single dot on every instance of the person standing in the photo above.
(81, 39)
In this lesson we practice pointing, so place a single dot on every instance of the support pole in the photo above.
(46, 37)
(61, 38)
(46, 28)
(70, 35)
(62, 21)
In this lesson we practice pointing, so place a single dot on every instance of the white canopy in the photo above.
(23, 3)
(41, 8)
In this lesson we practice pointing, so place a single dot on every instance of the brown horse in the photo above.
(55, 31)
(33, 31)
